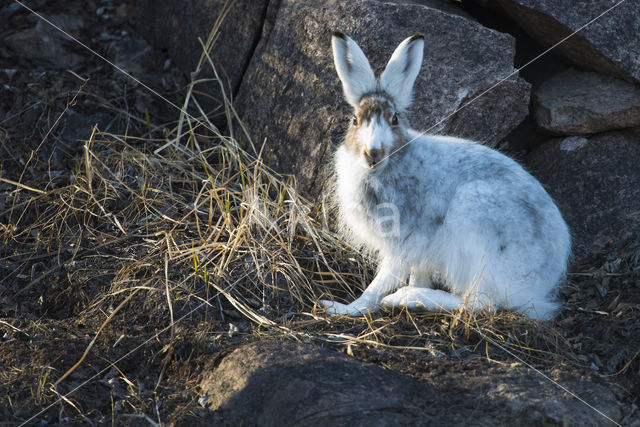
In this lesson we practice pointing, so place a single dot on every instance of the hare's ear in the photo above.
(401, 72)
(353, 68)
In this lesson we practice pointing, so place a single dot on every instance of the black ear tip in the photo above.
(339, 34)
(417, 36)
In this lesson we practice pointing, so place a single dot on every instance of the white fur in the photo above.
(459, 210)
(375, 135)
(352, 65)
(401, 71)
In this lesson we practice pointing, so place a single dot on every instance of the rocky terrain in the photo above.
(165, 236)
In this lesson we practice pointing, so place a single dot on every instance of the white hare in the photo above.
(434, 205)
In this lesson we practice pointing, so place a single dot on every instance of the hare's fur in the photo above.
(435, 205)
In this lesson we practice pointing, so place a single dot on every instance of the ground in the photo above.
(128, 264)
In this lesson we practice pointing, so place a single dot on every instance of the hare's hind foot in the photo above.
(422, 299)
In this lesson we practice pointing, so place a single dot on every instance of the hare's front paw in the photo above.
(352, 309)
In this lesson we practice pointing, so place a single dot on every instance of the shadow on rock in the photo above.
(280, 383)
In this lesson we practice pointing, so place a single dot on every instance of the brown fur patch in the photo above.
(351, 140)
(375, 104)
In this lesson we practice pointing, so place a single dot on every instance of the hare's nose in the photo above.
(373, 156)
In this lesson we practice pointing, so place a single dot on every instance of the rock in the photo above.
(135, 56)
(443, 5)
(7, 12)
(291, 96)
(578, 103)
(177, 26)
(272, 383)
(280, 383)
(46, 43)
(522, 394)
(596, 182)
(610, 45)
(74, 129)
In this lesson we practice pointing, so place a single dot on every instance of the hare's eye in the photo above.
(394, 120)
(354, 120)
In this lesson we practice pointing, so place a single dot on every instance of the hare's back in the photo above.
(493, 195)
(457, 161)
(484, 183)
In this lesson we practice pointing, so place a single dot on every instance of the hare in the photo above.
(435, 206)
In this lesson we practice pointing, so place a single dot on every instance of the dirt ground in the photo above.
(124, 271)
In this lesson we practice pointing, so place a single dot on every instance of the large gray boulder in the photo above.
(291, 96)
(610, 45)
(578, 103)
(275, 383)
(177, 26)
(596, 182)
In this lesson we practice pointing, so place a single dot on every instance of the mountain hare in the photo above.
(438, 206)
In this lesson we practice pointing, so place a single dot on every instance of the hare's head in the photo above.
(379, 104)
